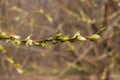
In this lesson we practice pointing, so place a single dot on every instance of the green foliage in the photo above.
(44, 44)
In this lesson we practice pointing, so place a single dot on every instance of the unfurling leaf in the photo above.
(16, 36)
(79, 37)
(94, 37)
(16, 42)
(29, 42)
(28, 37)
(76, 34)
(44, 44)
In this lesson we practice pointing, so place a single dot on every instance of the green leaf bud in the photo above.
(58, 35)
(94, 37)
(17, 43)
(65, 38)
(54, 41)
(2, 35)
(81, 38)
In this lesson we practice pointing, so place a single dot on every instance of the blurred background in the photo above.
(99, 60)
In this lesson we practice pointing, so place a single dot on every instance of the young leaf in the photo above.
(54, 41)
(16, 36)
(94, 37)
(76, 34)
(58, 35)
(2, 35)
(81, 38)
(2, 49)
(44, 44)
(16, 42)
(65, 38)
(10, 60)
(8, 41)
(29, 42)
(28, 37)
(20, 70)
